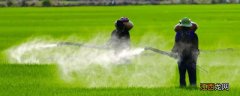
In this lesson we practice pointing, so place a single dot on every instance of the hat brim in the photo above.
(186, 25)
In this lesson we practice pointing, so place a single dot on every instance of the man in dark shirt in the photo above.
(120, 37)
(186, 46)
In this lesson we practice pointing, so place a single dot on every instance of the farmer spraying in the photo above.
(119, 41)
(186, 47)
(120, 37)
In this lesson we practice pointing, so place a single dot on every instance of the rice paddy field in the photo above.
(66, 71)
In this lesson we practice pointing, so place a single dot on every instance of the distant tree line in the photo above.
(23, 3)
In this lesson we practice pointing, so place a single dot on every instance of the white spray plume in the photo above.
(70, 58)
(95, 67)
(18, 53)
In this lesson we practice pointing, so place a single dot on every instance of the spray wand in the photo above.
(170, 54)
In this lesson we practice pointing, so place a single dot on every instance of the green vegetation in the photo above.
(218, 29)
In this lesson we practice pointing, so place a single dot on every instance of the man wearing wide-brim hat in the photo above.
(186, 46)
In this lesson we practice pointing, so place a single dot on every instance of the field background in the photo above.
(218, 30)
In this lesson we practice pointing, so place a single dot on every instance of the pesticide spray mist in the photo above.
(90, 67)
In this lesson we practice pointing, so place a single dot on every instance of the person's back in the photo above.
(186, 40)
(120, 37)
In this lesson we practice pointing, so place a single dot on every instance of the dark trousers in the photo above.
(189, 65)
